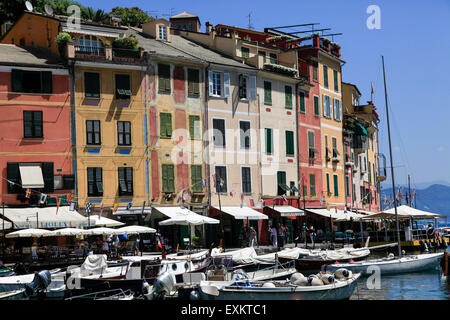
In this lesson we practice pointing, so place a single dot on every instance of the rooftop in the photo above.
(184, 15)
(13, 55)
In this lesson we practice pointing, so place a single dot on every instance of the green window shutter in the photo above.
(168, 178)
(165, 124)
(311, 139)
(325, 76)
(16, 80)
(312, 185)
(273, 58)
(193, 83)
(328, 183)
(123, 91)
(302, 102)
(336, 82)
(316, 106)
(289, 143)
(164, 78)
(268, 141)
(196, 178)
(347, 190)
(245, 52)
(336, 186)
(267, 93)
(194, 127)
(47, 82)
(314, 73)
(288, 96)
(91, 85)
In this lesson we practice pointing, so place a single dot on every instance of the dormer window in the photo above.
(163, 33)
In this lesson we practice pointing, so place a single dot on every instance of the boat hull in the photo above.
(394, 266)
(314, 265)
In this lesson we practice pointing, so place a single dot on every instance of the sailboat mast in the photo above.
(392, 165)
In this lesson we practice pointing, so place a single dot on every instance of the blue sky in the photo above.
(414, 39)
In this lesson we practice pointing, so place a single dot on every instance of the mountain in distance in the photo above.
(434, 198)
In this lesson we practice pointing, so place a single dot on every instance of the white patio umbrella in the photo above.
(103, 231)
(28, 233)
(137, 229)
(97, 221)
(66, 232)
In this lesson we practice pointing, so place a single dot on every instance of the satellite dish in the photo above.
(29, 5)
(48, 9)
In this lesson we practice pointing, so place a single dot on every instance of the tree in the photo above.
(133, 17)
(93, 15)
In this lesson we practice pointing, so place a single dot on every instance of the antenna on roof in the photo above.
(250, 26)
(48, 9)
(29, 6)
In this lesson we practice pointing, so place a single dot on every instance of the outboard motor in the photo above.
(162, 286)
(239, 274)
(41, 281)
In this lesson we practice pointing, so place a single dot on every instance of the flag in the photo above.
(203, 183)
(232, 193)
(371, 88)
(252, 204)
(129, 205)
(43, 198)
(28, 194)
(88, 207)
(101, 209)
(58, 201)
(69, 197)
(284, 197)
(159, 242)
(115, 207)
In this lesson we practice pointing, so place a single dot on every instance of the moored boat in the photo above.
(13, 295)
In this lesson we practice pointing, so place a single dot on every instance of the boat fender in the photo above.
(313, 280)
(391, 256)
(194, 295)
(301, 282)
(341, 273)
(327, 278)
(425, 246)
(146, 288)
(268, 285)
(297, 276)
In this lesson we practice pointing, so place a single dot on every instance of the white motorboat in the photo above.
(13, 295)
(392, 265)
(18, 282)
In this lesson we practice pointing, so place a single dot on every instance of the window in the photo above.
(190, 27)
(196, 178)
(32, 124)
(165, 125)
(95, 182)
(288, 97)
(194, 127)
(302, 102)
(325, 76)
(312, 185)
(289, 143)
(93, 132)
(268, 93)
(273, 58)
(243, 80)
(164, 78)
(314, 69)
(337, 110)
(217, 84)
(334, 142)
(124, 133)
(336, 82)
(125, 181)
(370, 173)
(91, 85)
(347, 189)
(316, 106)
(336, 186)
(327, 153)
(221, 179)
(311, 144)
(89, 45)
(326, 106)
(31, 81)
(246, 180)
(163, 32)
(269, 140)
(262, 54)
(193, 83)
(123, 91)
(244, 127)
(245, 52)
(328, 184)
(219, 132)
(168, 181)
(281, 182)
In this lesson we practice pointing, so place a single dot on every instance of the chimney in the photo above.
(208, 26)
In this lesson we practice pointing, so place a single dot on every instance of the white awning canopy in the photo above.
(99, 221)
(288, 211)
(133, 210)
(31, 176)
(337, 214)
(92, 32)
(5, 224)
(24, 218)
(178, 215)
(243, 213)
(405, 212)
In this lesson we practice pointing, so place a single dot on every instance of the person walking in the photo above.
(254, 239)
(273, 232)
(304, 230)
(312, 235)
(282, 235)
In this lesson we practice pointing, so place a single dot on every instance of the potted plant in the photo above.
(61, 41)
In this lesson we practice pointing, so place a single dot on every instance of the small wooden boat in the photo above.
(392, 265)
(278, 290)
(13, 295)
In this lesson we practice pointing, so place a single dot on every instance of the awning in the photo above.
(24, 218)
(91, 32)
(288, 211)
(360, 128)
(243, 213)
(5, 224)
(133, 210)
(337, 214)
(404, 212)
(31, 176)
(171, 212)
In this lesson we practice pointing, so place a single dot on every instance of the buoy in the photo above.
(301, 282)
(313, 280)
(326, 278)
(268, 285)
(351, 260)
(297, 276)
(342, 273)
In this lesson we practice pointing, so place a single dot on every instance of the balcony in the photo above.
(86, 52)
(381, 168)
(75, 51)
(327, 154)
(312, 154)
(126, 55)
(336, 157)
(359, 144)
(348, 161)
